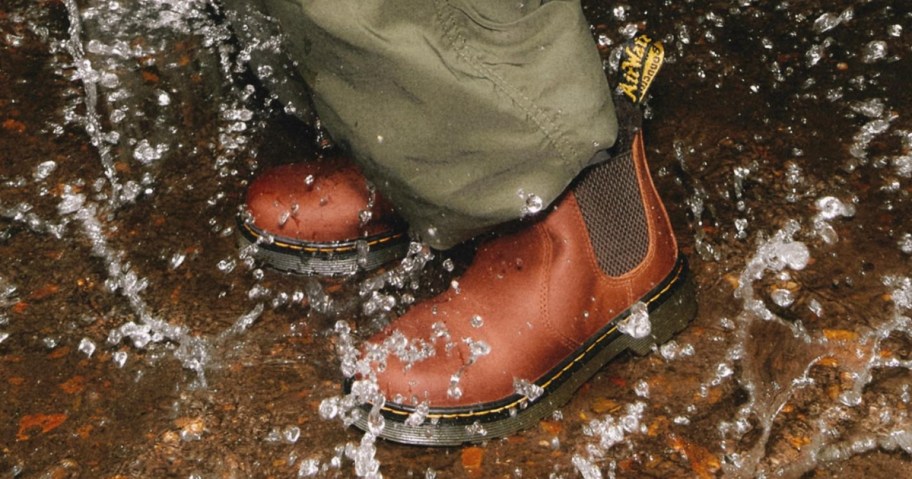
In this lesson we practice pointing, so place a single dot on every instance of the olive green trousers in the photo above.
(464, 113)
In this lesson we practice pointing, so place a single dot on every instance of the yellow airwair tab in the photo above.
(640, 62)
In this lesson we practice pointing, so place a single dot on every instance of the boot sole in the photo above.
(672, 305)
(340, 258)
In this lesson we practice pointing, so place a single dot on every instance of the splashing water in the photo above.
(128, 93)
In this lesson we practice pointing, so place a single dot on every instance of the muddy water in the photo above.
(136, 341)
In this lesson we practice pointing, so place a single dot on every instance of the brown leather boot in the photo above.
(537, 314)
(320, 217)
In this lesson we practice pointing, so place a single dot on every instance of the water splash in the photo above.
(89, 78)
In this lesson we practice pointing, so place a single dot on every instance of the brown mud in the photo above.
(733, 116)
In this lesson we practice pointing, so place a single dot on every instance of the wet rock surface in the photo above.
(136, 340)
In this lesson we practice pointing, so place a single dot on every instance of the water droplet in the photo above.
(177, 259)
(87, 347)
(874, 51)
(119, 358)
(329, 408)
(283, 218)
(145, 153)
(637, 323)
(226, 265)
(418, 416)
(309, 468)
(44, 169)
(782, 297)
(476, 429)
(532, 203)
(291, 434)
(629, 30)
(528, 389)
(477, 349)
(454, 391)
(641, 389)
(905, 243)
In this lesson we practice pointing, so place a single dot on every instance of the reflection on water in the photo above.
(136, 340)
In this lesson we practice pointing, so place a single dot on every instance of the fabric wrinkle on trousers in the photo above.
(458, 111)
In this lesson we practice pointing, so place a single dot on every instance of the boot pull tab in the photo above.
(640, 61)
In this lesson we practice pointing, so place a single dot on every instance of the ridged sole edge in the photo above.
(341, 258)
(672, 307)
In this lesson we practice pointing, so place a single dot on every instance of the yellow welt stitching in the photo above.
(557, 375)
(332, 249)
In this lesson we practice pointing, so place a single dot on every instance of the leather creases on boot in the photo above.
(320, 217)
(537, 314)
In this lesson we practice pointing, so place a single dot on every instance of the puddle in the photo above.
(136, 340)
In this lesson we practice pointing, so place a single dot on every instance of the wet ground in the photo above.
(136, 341)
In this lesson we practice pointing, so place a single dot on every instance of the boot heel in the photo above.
(669, 317)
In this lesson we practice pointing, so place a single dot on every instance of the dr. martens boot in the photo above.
(537, 313)
(320, 218)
